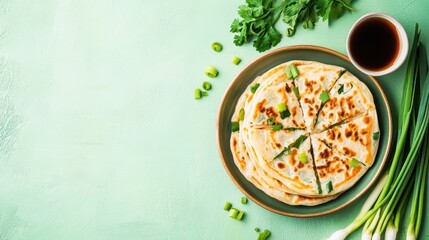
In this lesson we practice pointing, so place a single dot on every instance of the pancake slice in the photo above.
(313, 80)
(357, 138)
(335, 171)
(275, 103)
(348, 98)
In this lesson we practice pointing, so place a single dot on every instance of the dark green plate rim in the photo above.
(261, 65)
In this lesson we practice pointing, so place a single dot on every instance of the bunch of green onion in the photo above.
(405, 180)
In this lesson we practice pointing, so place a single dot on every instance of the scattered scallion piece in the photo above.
(236, 60)
(217, 47)
(257, 229)
(241, 114)
(277, 127)
(288, 72)
(197, 93)
(211, 71)
(354, 163)
(329, 187)
(285, 114)
(264, 235)
(281, 107)
(227, 206)
(324, 97)
(207, 86)
(341, 89)
(294, 71)
(233, 212)
(235, 126)
(204, 93)
(254, 87)
(376, 135)
(243, 200)
(240, 215)
(303, 157)
(270, 121)
(296, 91)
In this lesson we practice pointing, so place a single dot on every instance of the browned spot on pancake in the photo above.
(294, 111)
(322, 78)
(278, 145)
(330, 134)
(234, 143)
(280, 183)
(367, 119)
(288, 89)
(348, 133)
(349, 151)
(340, 170)
(364, 131)
(294, 122)
(270, 112)
(322, 174)
(281, 165)
(300, 165)
(325, 153)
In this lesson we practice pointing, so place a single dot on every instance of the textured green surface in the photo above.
(101, 137)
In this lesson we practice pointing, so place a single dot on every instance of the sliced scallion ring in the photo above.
(236, 60)
(211, 71)
(217, 47)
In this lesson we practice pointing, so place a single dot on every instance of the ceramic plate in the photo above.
(258, 67)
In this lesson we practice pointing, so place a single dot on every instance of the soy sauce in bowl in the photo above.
(377, 44)
(374, 44)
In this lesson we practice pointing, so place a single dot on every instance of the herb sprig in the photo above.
(257, 19)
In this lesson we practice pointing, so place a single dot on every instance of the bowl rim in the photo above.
(223, 158)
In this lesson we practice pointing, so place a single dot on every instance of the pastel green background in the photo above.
(100, 137)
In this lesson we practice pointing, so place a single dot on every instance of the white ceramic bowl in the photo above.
(403, 44)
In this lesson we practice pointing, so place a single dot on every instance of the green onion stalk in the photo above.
(382, 203)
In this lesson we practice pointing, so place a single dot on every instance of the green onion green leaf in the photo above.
(277, 127)
(240, 215)
(211, 71)
(303, 157)
(270, 121)
(285, 114)
(233, 212)
(341, 89)
(296, 91)
(241, 114)
(354, 163)
(288, 72)
(324, 97)
(217, 47)
(236, 60)
(329, 187)
(281, 107)
(235, 126)
(294, 71)
(254, 87)
(257, 229)
(243, 200)
(204, 93)
(227, 206)
(197, 93)
(207, 86)
(264, 235)
(376, 135)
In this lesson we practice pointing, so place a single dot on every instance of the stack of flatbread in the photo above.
(307, 139)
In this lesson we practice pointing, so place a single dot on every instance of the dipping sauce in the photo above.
(375, 44)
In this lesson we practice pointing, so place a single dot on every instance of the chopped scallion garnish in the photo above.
(235, 126)
(341, 89)
(257, 229)
(217, 47)
(277, 127)
(243, 200)
(233, 212)
(288, 72)
(207, 86)
(296, 91)
(354, 163)
(376, 135)
(303, 157)
(270, 121)
(254, 87)
(236, 60)
(227, 206)
(281, 107)
(324, 97)
(329, 187)
(241, 114)
(211, 71)
(204, 93)
(240, 215)
(197, 93)
(294, 71)
(264, 235)
(285, 114)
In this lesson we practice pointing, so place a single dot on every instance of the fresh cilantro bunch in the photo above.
(258, 17)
